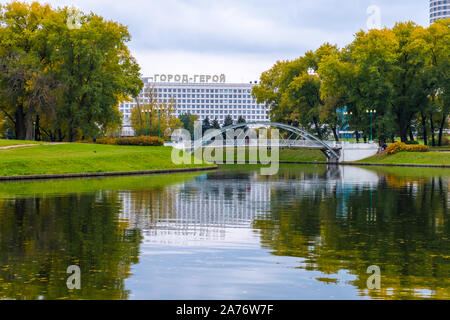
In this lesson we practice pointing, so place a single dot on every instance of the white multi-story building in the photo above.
(439, 10)
(213, 100)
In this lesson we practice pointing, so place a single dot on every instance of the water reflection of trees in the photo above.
(402, 225)
(41, 237)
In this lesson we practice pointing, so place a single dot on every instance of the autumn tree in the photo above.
(153, 118)
(64, 81)
(292, 90)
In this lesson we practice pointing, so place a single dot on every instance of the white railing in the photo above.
(282, 143)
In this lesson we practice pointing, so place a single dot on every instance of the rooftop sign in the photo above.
(177, 78)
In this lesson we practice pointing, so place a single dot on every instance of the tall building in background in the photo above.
(439, 10)
(212, 100)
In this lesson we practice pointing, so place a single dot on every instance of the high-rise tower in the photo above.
(439, 10)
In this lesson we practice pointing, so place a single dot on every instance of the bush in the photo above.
(400, 146)
(111, 141)
(393, 148)
(411, 142)
(417, 148)
(133, 141)
(445, 141)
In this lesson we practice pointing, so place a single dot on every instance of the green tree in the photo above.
(97, 68)
(228, 121)
(151, 118)
(215, 124)
(292, 90)
(66, 82)
(206, 125)
(26, 86)
(434, 44)
(188, 121)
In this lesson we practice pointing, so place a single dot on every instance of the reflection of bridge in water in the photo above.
(211, 204)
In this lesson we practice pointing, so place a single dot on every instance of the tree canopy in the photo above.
(401, 74)
(62, 81)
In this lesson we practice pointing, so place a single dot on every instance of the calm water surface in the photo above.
(309, 232)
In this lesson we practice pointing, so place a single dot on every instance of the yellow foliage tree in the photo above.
(151, 118)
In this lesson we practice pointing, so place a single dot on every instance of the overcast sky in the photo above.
(240, 38)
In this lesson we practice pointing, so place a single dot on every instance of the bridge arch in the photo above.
(332, 155)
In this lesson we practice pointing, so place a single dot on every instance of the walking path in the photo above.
(31, 145)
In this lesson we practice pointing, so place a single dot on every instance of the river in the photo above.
(309, 232)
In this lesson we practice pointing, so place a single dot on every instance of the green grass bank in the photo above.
(86, 158)
(413, 158)
(285, 155)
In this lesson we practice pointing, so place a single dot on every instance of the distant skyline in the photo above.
(240, 38)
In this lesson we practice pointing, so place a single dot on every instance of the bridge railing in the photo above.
(282, 143)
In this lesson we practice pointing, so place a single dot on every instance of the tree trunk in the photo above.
(433, 141)
(37, 130)
(424, 126)
(29, 127)
(441, 129)
(336, 136)
(411, 135)
(71, 133)
(357, 136)
(60, 135)
(403, 135)
(319, 133)
(20, 124)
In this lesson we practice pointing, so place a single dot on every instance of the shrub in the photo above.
(106, 141)
(417, 148)
(400, 146)
(393, 148)
(410, 142)
(133, 141)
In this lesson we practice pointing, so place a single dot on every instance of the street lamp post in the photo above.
(159, 122)
(145, 112)
(347, 116)
(371, 112)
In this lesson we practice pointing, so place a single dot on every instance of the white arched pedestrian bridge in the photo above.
(298, 138)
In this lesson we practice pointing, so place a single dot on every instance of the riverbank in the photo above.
(78, 159)
(409, 158)
(402, 159)
(90, 160)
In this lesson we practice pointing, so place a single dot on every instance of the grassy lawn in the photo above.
(440, 148)
(7, 143)
(300, 155)
(80, 158)
(431, 158)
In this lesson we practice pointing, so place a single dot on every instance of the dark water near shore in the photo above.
(309, 232)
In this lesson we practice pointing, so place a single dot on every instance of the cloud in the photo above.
(242, 37)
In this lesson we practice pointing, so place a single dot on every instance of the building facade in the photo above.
(213, 100)
(439, 10)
